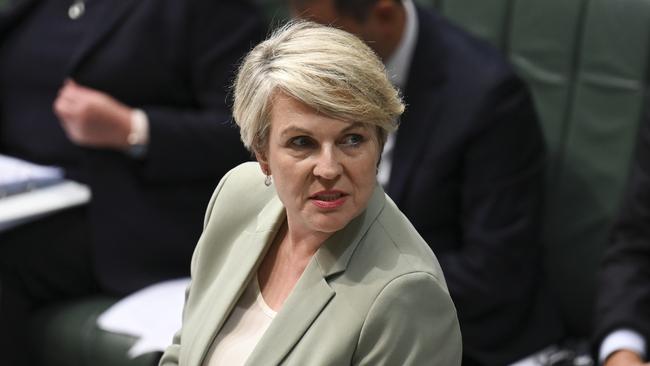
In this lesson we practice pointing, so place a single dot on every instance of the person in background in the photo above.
(128, 97)
(304, 260)
(466, 167)
(622, 324)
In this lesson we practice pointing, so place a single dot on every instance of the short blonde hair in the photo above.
(327, 69)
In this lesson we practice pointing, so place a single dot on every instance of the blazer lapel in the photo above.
(116, 13)
(307, 300)
(225, 291)
(423, 95)
(313, 292)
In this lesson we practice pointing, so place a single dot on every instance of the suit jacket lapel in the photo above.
(115, 14)
(248, 251)
(313, 292)
(424, 96)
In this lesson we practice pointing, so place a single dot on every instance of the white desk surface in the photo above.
(24, 207)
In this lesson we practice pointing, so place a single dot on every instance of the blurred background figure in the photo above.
(622, 324)
(128, 97)
(466, 168)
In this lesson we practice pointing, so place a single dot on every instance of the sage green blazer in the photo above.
(373, 294)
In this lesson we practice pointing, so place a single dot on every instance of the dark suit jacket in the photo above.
(624, 295)
(175, 60)
(467, 171)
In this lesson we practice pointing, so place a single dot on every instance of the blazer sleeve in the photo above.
(624, 280)
(501, 193)
(411, 322)
(182, 140)
(171, 356)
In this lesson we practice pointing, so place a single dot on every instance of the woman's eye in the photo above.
(300, 141)
(352, 139)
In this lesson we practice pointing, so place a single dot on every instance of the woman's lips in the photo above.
(329, 199)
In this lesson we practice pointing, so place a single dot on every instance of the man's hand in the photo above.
(92, 118)
(624, 358)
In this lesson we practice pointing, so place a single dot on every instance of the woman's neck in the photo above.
(302, 244)
(285, 262)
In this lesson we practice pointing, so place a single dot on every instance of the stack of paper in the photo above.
(18, 176)
(152, 314)
(29, 191)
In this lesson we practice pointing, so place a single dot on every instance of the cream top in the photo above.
(242, 331)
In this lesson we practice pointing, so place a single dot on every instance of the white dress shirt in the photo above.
(242, 331)
(397, 66)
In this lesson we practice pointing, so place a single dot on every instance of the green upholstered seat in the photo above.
(67, 335)
(487, 19)
(606, 107)
(586, 62)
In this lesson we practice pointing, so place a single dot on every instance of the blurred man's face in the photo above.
(381, 30)
(324, 12)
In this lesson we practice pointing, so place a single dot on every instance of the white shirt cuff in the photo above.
(620, 339)
(139, 136)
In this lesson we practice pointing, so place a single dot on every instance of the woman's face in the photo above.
(323, 169)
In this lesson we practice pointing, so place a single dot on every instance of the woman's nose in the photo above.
(328, 165)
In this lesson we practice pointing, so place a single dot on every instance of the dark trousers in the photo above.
(42, 262)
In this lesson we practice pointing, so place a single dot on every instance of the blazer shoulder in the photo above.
(240, 195)
(235, 207)
(392, 332)
(405, 288)
(395, 246)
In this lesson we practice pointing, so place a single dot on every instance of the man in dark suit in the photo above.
(622, 324)
(465, 166)
(128, 97)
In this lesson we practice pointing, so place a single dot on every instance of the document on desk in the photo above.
(152, 314)
(18, 176)
(29, 191)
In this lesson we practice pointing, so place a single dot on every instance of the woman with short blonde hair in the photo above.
(303, 258)
(327, 69)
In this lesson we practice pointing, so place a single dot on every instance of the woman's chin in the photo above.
(328, 223)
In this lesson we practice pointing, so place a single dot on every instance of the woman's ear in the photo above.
(264, 164)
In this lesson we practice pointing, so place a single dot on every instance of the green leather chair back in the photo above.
(586, 62)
